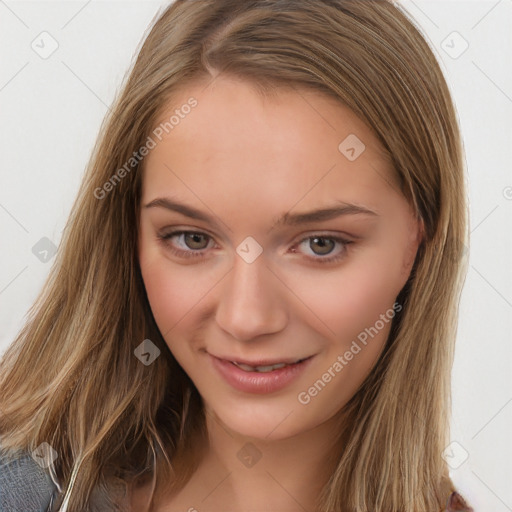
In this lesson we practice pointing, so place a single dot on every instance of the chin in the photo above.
(265, 423)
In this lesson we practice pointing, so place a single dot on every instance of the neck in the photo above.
(277, 474)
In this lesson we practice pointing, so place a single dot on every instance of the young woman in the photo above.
(255, 300)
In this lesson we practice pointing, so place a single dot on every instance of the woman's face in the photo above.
(300, 244)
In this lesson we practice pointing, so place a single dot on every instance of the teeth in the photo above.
(262, 369)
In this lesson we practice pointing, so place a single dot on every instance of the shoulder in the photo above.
(456, 503)
(24, 484)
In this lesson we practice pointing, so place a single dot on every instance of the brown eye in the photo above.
(195, 240)
(187, 244)
(321, 246)
(324, 248)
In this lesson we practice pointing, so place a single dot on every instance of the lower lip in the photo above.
(258, 382)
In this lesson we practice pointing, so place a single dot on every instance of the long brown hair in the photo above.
(70, 378)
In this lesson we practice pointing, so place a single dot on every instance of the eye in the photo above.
(190, 243)
(193, 244)
(322, 245)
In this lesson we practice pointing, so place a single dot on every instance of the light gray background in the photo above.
(51, 110)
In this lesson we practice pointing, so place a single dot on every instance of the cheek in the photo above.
(170, 291)
(164, 296)
(177, 294)
(173, 295)
(346, 301)
(172, 303)
(357, 306)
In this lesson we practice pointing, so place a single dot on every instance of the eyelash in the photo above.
(165, 238)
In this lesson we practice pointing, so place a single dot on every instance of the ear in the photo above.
(416, 235)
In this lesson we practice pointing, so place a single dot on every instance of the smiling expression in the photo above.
(262, 239)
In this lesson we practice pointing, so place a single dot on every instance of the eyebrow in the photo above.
(339, 209)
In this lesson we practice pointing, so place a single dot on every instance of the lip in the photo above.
(261, 362)
(257, 382)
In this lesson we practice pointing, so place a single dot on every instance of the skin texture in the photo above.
(246, 161)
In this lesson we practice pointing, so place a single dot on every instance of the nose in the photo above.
(252, 301)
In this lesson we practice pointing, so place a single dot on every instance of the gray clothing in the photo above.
(24, 485)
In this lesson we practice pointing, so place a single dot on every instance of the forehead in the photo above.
(294, 145)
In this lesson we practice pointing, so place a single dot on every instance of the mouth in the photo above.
(266, 366)
(261, 376)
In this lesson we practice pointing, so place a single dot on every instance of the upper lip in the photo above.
(262, 362)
